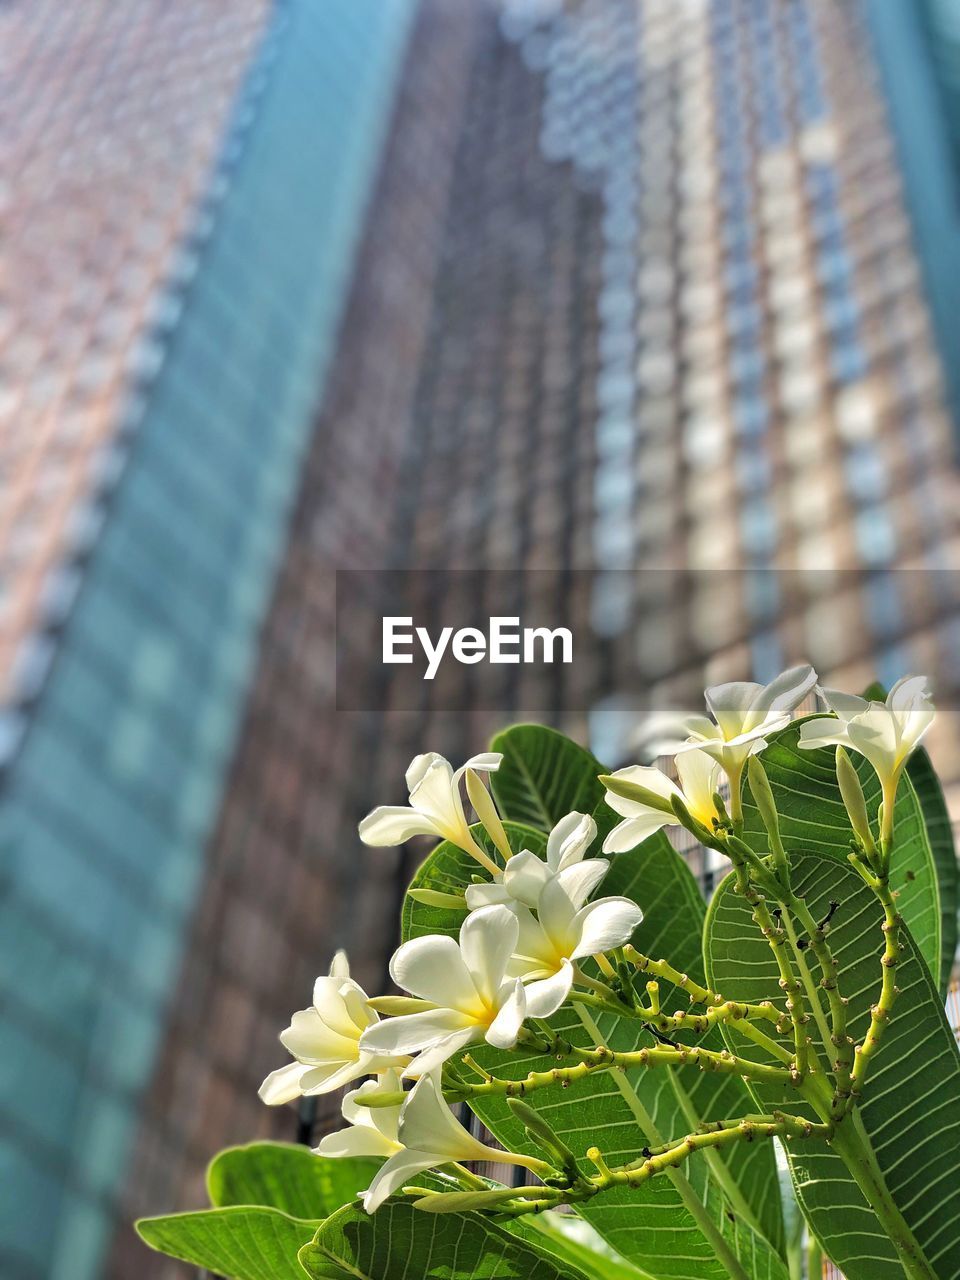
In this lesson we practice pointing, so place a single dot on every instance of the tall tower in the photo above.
(186, 186)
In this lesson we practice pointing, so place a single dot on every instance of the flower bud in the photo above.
(762, 794)
(463, 1201)
(633, 791)
(433, 898)
(853, 799)
(482, 801)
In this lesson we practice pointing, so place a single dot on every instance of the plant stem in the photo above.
(809, 985)
(692, 1203)
(851, 1142)
(880, 1012)
(837, 1044)
(601, 1059)
(776, 937)
(696, 993)
(715, 1162)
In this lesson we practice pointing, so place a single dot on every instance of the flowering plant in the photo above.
(641, 1056)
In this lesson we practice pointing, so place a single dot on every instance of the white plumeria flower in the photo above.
(435, 809)
(371, 1131)
(745, 713)
(699, 775)
(564, 930)
(886, 733)
(325, 1041)
(525, 875)
(467, 985)
(428, 1134)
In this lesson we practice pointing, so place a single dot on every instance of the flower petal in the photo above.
(524, 877)
(604, 924)
(393, 824)
(391, 1176)
(383, 1119)
(846, 705)
(355, 1141)
(428, 1124)
(825, 732)
(433, 968)
(569, 840)
(485, 762)
(546, 995)
(331, 1076)
(331, 1007)
(436, 796)
(580, 880)
(493, 894)
(340, 965)
(355, 1006)
(781, 696)
(438, 1053)
(488, 938)
(503, 1030)
(310, 1039)
(729, 704)
(699, 775)
(414, 1031)
(420, 765)
(535, 953)
(633, 831)
(907, 693)
(282, 1085)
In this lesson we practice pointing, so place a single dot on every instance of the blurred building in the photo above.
(576, 288)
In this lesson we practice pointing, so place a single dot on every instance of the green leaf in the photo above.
(922, 774)
(926, 784)
(910, 1112)
(649, 1226)
(573, 1239)
(238, 1243)
(399, 1240)
(286, 1177)
(813, 820)
(544, 776)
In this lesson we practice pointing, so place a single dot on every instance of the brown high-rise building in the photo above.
(633, 301)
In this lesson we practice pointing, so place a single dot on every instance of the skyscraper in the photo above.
(572, 289)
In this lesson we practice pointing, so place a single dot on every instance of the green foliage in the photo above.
(813, 820)
(882, 1195)
(243, 1242)
(399, 1240)
(546, 776)
(907, 1119)
(268, 1200)
(925, 782)
(286, 1177)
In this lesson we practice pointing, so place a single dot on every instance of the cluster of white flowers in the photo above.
(708, 751)
(515, 958)
(532, 923)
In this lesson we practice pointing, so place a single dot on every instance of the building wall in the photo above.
(287, 880)
(108, 802)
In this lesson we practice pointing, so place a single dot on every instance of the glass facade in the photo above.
(107, 804)
(918, 49)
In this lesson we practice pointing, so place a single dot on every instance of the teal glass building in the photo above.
(129, 706)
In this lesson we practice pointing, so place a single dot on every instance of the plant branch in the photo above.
(880, 1013)
(776, 937)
